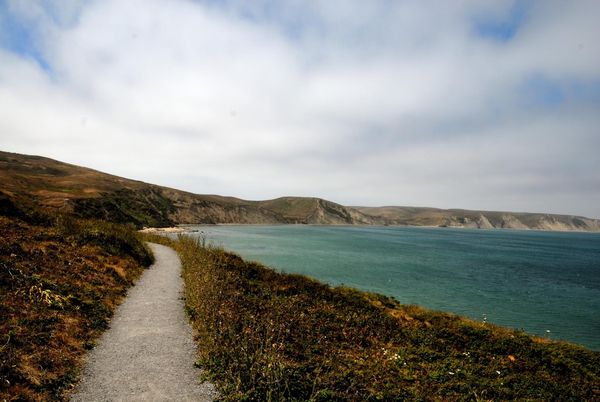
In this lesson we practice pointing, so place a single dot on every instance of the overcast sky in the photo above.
(470, 104)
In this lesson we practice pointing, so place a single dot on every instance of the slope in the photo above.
(92, 194)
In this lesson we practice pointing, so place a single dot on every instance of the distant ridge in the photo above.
(92, 194)
(416, 216)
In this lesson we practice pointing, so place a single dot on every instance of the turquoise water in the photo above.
(537, 281)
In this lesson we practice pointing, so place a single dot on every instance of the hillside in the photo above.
(92, 194)
(479, 219)
(314, 211)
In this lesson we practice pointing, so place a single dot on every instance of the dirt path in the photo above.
(148, 353)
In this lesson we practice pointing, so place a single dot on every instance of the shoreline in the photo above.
(167, 230)
(187, 227)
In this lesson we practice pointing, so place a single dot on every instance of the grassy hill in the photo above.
(92, 194)
(314, 211)
(89, 193)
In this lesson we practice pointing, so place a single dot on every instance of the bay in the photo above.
(546, 283)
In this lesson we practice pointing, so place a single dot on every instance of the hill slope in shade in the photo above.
(92, 194)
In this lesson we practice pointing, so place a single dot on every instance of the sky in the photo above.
(489, 105)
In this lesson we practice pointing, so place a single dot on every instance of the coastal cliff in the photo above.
(415, 216)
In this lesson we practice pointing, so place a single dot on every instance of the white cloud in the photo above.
(359, 102)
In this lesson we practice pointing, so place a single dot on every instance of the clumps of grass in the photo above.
(116, 239)
(266, 336)
(60, 280)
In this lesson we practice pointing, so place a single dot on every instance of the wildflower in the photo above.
(498, 372)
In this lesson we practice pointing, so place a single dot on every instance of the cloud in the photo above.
(489, 106)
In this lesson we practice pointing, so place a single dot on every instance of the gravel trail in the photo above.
(148, 353)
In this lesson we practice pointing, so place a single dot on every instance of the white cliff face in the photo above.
(511, 222)
(484, 223)
(479, 219)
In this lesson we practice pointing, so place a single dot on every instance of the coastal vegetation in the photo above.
(264, 335)
(60, 280)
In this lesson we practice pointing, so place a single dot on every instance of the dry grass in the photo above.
(60, 280)
(269, 336)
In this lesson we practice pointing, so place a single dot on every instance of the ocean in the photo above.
(546, 283)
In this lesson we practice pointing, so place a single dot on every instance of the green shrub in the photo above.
(115, 239)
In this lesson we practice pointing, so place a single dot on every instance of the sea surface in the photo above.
(546, 283)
